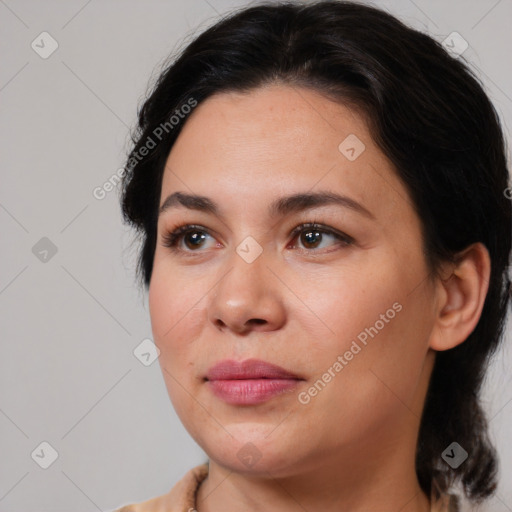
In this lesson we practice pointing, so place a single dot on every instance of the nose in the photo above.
(248, 297)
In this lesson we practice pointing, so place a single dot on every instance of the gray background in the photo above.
(70, 324)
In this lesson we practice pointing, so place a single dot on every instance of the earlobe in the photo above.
(461, 298)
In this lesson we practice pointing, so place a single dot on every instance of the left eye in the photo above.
(313, 234)
(310, 235)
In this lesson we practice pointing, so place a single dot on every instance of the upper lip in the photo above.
(229, 369)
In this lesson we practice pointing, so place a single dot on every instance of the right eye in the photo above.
(193, 236)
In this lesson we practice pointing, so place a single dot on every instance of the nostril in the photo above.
(219, 323)
(240, 328)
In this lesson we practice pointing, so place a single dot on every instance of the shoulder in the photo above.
(180, 498)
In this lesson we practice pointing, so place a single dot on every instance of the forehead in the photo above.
(278, 140)
(279, 118)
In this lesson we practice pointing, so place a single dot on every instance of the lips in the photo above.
(249, 382)
(248, 369)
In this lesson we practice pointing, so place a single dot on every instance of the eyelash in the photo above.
(172, 238)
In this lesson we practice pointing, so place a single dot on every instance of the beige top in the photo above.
(182, 497)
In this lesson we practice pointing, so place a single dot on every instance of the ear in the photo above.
(460, 297)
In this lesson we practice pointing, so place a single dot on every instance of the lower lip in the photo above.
(250, 391)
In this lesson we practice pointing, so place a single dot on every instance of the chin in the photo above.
(253, 451)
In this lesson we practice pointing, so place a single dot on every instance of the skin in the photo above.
(300, 306)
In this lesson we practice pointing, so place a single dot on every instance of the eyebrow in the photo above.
(280, 207)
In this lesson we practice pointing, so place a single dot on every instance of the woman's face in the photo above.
(345, 307)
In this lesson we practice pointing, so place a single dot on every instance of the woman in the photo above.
(320, 195)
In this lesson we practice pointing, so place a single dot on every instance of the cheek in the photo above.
(345, 303)
(177, 318)
(175, 324)
(373, 322)
(174, 304)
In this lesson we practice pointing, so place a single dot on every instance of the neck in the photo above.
(387, 484)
